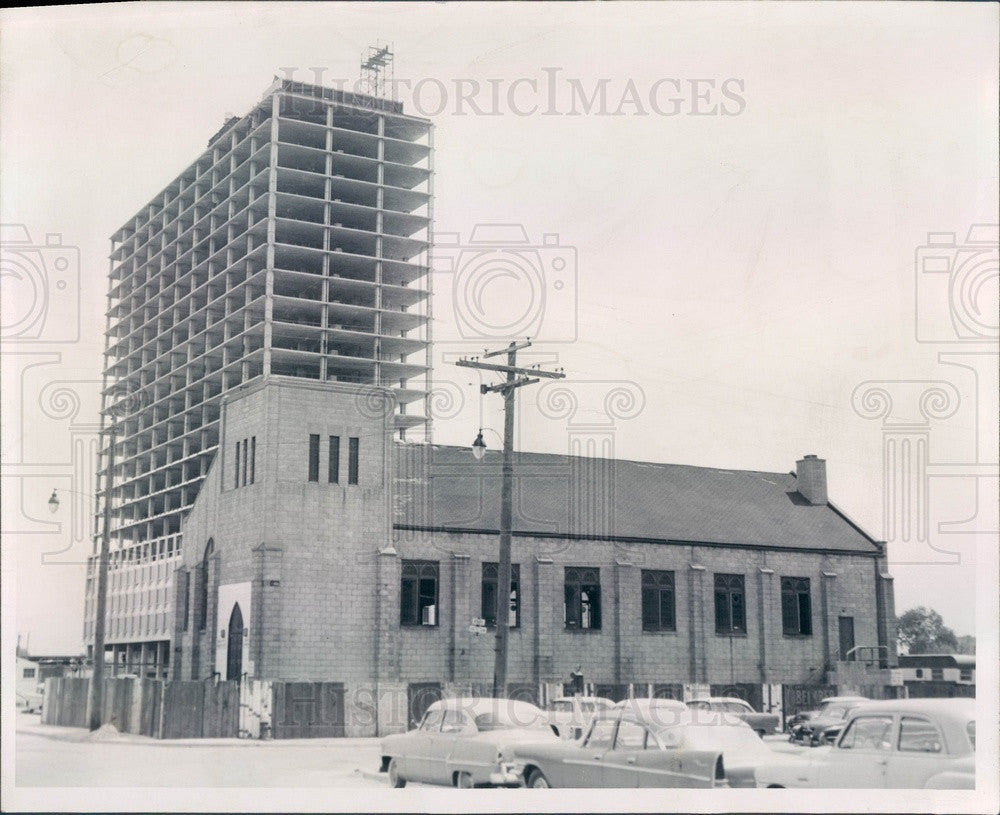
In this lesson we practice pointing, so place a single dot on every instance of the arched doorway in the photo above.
(234, 652)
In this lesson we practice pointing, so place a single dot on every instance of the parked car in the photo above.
(893, 744)
(631, 747)
(570, 715)
(832, 712)
(798, 718)
(460, 742)
(761, 723)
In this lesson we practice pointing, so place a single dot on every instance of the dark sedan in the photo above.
(644, 746)
(826, 724)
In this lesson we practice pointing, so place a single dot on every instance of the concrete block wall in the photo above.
(541, 649)
(310, 553)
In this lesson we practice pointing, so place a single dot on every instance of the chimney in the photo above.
(810, 473)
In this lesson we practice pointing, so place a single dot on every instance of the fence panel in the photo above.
(117, 707)
(668, 690)
(183, 710)
(307, 710)
(222, 710)
(149, 707)
(65, 701)
(804, 697)
(937, 689)
(255, 708)
(748, 692)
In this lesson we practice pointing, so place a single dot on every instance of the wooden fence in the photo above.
(148, 707)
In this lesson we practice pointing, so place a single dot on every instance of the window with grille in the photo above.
(333, 474)
(796, 606)
(418, 596)
(491, 580)
(730, 604)
(314, 457)
(658, 608)
(353, 444)
(582, 608)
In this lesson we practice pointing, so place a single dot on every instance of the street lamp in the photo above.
(479, 446)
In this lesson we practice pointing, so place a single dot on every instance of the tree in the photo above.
(922, 630)
(967, 644)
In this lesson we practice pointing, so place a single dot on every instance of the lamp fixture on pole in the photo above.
(479, 446)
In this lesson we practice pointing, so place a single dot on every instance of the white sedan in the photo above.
(464, 743)
(571, 715)
(892, 744)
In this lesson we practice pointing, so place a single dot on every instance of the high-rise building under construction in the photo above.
(295, 245)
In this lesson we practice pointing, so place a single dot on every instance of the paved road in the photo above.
(71, 757)
(46, 757)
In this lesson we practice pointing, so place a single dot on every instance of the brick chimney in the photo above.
(810, 473)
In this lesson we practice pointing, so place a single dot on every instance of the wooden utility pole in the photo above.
(516, 378)
(96, 701)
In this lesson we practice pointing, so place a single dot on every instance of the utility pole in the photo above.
(516, 378)
(97, 679)
(129, 401)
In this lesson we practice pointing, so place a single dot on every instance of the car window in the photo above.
(918, 736)
(734, 707)
(432, 721)
(631, 736)
(561, 707)
(601, 734)
(699, 705)
(455, 721)
(970, 728)
(835, 712)
(867, 733)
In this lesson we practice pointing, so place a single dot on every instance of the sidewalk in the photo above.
(30, 724)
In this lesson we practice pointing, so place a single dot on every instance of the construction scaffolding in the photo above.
(296, 244)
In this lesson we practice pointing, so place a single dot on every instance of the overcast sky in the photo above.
(738, 223)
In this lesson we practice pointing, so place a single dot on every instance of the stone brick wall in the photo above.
(542, 649)
(324, 566)
(309, 549)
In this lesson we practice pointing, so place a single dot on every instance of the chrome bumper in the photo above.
(509, 775)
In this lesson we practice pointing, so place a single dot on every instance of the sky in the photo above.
(733, 238)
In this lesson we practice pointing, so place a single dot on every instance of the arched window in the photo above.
(203, 593)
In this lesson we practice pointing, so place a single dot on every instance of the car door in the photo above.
(668, 762)
(583, 767)
(860, 758)
(416, 764)
(919, 754)
(620, 762)
(457, 748)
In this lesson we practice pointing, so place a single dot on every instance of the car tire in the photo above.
(537, 780)
(775, 786)
(464, 781)
(760, 733)
(395, 779)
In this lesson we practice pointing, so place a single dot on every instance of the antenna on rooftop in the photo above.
(376, 70)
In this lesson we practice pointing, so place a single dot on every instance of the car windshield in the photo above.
(732, 707)
(740, 740)
(503, 719)
(561, 707)
(588, 707)
(835, 712)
